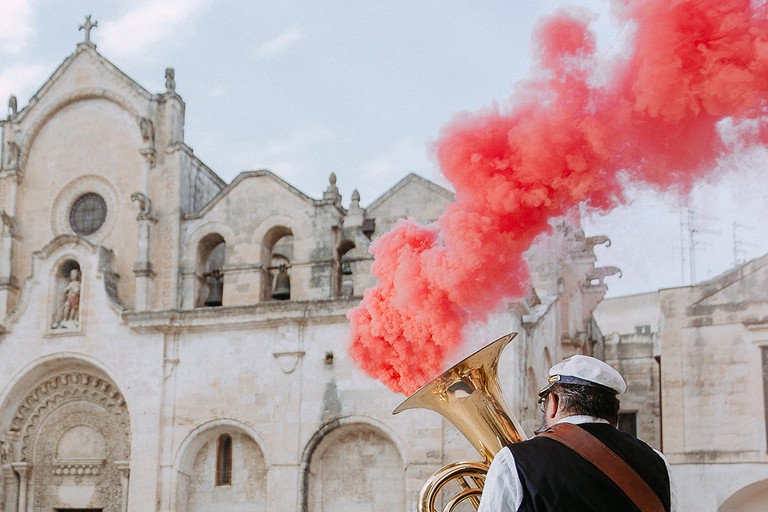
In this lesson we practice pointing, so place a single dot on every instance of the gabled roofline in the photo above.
(261, 173)
(184, 147)
(411, 177)
(59, 71)
(714, 285)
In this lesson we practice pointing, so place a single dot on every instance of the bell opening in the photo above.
(215, 289)
(282, 289)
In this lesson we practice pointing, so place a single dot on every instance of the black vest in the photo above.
(555, 478)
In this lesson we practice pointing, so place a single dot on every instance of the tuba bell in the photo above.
(469, 396)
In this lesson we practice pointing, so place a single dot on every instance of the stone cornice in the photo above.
(265, 314)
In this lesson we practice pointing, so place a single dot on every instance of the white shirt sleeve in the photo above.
(672, 488)
(503, 491)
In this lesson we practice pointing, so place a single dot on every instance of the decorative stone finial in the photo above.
(87, 27)
(170, 79)
(13, 106)
(355, 202)
(332, 188)
(331, 194)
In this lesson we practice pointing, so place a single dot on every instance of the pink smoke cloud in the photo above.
(566, 142)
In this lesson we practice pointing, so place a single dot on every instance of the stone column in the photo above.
(168, 482)
(11, 175)
(8, 285)
(125, 472)
(22, 469)
(10, 489)
(142, 268)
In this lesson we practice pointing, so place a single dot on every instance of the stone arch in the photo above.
(267, 233)
(197, 488)
(750, 497)
(69, 425)
(202, 232)
(344, 269)
(277, 251)
(70, 246)
(200, 243)
(74, 97)
(210, 261)
(348, 445)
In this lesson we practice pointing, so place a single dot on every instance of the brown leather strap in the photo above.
(604, 459)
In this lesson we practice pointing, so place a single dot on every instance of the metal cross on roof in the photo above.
(87, 27)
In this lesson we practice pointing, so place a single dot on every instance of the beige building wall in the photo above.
(711, 344)
(122, 390)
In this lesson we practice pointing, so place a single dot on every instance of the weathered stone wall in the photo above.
(309, 430)
(709, 339)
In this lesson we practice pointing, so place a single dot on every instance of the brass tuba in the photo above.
(469, 396)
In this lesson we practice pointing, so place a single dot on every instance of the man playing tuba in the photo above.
(579, 460)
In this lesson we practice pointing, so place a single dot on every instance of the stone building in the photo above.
(172, 342)
(696, 361)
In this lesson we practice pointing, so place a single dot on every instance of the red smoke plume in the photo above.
(567, 141)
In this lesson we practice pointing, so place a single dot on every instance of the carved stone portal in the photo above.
(75, 435)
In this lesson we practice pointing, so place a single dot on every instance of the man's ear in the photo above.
(554, 405)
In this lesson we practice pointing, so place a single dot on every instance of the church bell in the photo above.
(215, 289)
(282, 290)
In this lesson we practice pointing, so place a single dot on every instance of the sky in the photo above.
(363, 90)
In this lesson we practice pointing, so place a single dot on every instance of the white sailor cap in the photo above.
(587, 371)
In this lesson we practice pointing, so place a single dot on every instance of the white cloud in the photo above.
(278, 44)
(145, 26)
(15, 25)
(20, 80)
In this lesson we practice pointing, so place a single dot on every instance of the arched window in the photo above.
(224, 460)
(277, 253)
(344, 278)
(211, 253)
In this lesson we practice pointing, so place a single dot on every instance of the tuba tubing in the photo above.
(469, 396)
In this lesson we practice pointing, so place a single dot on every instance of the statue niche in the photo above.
(67, 288)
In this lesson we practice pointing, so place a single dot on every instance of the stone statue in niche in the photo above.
(68, 315)
(147, 131)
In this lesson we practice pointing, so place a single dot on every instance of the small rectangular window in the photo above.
(224, 460)
(628, 422)
(643, 329)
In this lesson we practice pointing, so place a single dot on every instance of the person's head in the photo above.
(582, 385)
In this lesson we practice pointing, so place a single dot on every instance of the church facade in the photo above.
(173, 342)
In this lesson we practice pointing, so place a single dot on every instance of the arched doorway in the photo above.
(355, 467)
(751, 498)
(69, 443)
